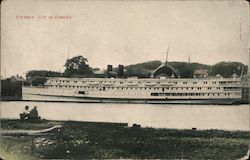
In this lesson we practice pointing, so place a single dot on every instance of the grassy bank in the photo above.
(78, 140)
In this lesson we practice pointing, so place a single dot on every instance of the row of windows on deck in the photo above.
(174, 82)
(153, 88)
(191, 94)
(176, 94)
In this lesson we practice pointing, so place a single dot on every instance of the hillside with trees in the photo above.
(42, 73)
(186, 70)
(78, 67)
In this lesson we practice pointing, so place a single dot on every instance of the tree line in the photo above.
(78, 67)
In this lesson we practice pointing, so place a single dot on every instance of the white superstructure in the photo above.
(149, 90)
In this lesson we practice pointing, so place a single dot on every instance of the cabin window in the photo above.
(184, 82)
(194, 82)
(222, 82)
(204, 82)
(81, 92)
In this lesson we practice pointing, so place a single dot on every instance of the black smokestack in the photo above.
(109, 70)
(120, 71)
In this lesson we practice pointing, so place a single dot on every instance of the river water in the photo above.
(225, 117)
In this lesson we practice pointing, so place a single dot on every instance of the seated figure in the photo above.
(33, 114)
(25, 113)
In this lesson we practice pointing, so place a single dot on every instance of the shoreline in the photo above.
(129, 125)
(100, 140)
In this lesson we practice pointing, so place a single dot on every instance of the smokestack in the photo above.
(120, 71)
(109, 69)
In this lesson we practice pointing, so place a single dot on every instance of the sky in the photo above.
(120, 32)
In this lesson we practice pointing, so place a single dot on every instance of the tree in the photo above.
(226, 69)
(77, 66)
(42, 73)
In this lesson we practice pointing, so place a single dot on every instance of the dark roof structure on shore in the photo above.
(17, 78)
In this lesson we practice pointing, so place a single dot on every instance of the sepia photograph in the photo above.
(124, 79)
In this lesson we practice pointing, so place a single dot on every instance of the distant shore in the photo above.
(78, 140)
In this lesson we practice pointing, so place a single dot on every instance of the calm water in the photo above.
(228, 117)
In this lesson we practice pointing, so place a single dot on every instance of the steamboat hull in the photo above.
(54, 98)
(152, 91)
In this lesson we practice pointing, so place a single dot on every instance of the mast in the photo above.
(167, 56)
(242, 70)
(240, 30)
(68, 54)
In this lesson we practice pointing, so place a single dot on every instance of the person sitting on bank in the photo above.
(33, 114)
(25, 113)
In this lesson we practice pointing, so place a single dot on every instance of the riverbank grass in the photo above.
(88, 140)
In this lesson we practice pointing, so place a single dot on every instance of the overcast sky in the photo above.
(121, 32)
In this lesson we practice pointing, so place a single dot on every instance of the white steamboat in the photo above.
(207, 90)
